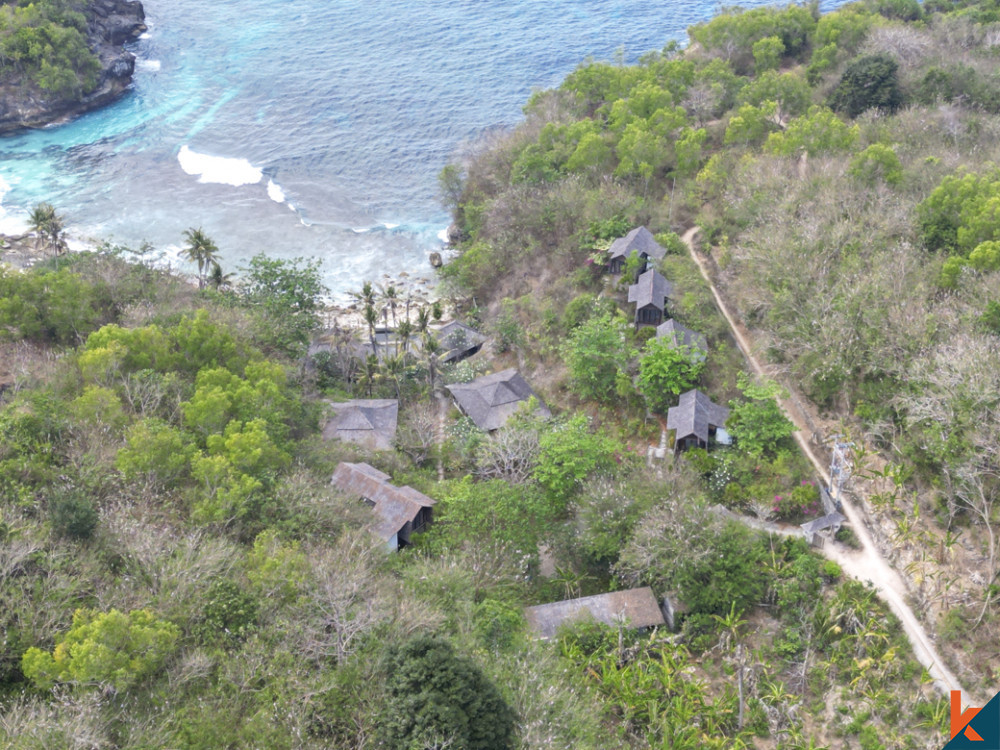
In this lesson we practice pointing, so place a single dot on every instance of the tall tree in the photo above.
(46, 225)
(200, 250)
(390, 300)
(438, 698)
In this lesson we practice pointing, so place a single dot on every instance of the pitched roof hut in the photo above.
(459, 341)
(814, 531)
(640, 241)
(695, 420)
(637, 608)
(399, 511)
(650, 293)
(682, 336)
(367, 422)
(490, 401)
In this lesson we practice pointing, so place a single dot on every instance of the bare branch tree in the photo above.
(346, 600)
(510, 454)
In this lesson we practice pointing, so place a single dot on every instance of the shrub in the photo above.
(104, 648)
(869, 82)
(73, 515)
(228, 613)
(436, 697)
(596, 353)
(877, 162)
(990, 318)
(666, 371)
(817, 132)
(507, 331)
(801, 500)
(767, 53)
(756, 422)
(156, 452)
(569, 453)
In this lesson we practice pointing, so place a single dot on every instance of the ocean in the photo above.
(312, 129)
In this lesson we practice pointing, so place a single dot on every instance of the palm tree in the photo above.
(218, 279)
(403, 333)
(371, 318)
(393, 367)
(367, 299)
(431, 350)
(390, 296)
(423, 319)
(46, 224)
(201, 250)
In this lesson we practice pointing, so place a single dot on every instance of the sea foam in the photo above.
(222, 170)
(274, 192)
(10, 223)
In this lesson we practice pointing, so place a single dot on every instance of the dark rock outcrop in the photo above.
(110, 25)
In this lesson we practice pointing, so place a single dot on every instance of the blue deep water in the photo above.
(313, 128)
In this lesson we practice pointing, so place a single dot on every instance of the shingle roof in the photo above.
(639, 240)
(694, 414)
(458, 338)
(637, 607)
(490, 401)
(394, 506)
(650, 289)
(368, 422)
(362, 480)
(683, 336)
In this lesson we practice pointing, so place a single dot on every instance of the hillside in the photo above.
(185, 556)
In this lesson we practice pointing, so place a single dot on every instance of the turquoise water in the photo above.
(314, 128)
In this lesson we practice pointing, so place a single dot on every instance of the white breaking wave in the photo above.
(443, 235)
(152, 66)
(222, 170)
(10, 223)
(274, 192)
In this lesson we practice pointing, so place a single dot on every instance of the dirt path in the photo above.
(441, 431)
(866, 564)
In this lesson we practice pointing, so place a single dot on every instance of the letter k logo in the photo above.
(960, 720)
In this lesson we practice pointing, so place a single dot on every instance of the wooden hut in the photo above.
(650, 293)
(490, 401)
(399, 511)
(696, 421)
(639, 241)
(679, 335)
(635, 608)
(367, 422)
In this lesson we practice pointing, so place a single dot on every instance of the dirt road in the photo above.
(866, 564)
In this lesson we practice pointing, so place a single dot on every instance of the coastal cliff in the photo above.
(98, 73)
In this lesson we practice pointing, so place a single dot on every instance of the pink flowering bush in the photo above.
(800, 501)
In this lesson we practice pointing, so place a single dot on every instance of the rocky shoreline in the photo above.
(110, 25)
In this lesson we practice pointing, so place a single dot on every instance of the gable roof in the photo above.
(651, 288)
(639, 240)
(682, 336)
(394, 506)
(362, 480)
(637, 607)
(368, 422)
(457, 339)
(490, 401)
(824, 522)
(694, 414)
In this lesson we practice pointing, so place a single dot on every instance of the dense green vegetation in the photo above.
(175, 569)
(44, 42)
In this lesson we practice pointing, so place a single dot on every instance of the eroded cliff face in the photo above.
(111, 24)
